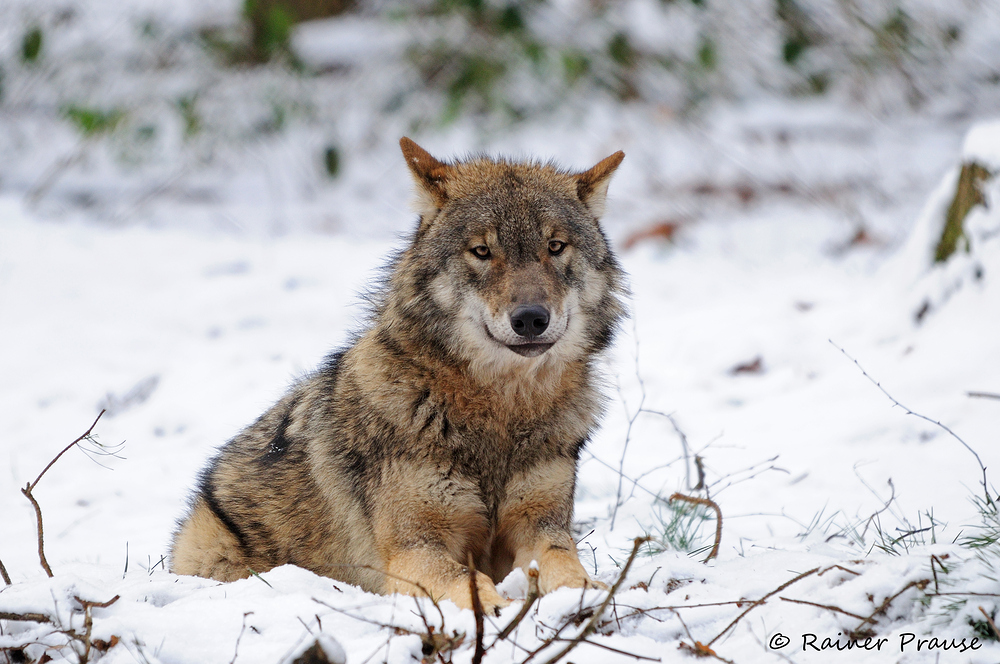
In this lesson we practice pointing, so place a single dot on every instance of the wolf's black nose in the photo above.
(529, 320)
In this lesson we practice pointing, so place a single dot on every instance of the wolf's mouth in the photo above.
(528, 349)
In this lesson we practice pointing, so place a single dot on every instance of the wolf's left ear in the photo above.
(592, 185)
(429, 175)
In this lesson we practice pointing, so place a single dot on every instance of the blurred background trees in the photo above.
(108, 108)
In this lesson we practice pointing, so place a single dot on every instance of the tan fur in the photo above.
(444, 432)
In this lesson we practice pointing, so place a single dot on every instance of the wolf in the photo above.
(446, 435)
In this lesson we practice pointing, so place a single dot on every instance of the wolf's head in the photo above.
(508, 270)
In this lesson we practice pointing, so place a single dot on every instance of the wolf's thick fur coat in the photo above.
(451, 427)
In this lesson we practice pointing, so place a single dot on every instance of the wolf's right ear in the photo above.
(592, 185)
(430, 176)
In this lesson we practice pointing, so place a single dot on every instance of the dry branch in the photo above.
(41, 534)
(707, 502)
(828, 607)
(533, 595)
(27, 491)
(614, 650)
(699, 649)
(982, 467)
(243, 628)
(592, 624)
(419, 586)
(88, 621)
(919, 584)
(4, 574)
(760, 601)
(993, 625)
(477, 612)
(841, 568)
(25, 617)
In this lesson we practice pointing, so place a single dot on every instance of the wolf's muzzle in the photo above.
(529, 321)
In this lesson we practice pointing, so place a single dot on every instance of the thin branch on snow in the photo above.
(592, 624)
(609, 648)
(25, 617)
(982, 467)
(631, 422)
(993, 625)
(529, 601)
(243, 628)
(27, 491)
(477, 611)
(419, 586)
(707, 502)
(919, 584)
(828, 607)
(760, 601)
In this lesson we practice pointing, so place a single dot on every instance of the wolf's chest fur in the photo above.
(449, 431)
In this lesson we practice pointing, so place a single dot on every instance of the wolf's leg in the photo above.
(425, 528)
(440, 576)
(204, 546)
(534, 522)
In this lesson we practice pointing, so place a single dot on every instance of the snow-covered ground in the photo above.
(188, 336)
(185, 290)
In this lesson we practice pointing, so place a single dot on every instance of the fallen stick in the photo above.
(34, 503)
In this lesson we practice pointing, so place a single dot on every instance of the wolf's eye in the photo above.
(556, 247)
(481, 251)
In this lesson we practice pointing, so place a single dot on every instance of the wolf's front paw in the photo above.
(564, 574)
(461, 594)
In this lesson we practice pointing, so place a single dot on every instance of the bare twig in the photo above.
(841, 568)
(477, 611)
(85, 435)
(631, 422)
(982, 467)
(982, 395)
(528, 602)
(27, 491)
(614, 650)
(828, 607)
(993, 625)
(635, 482)
(749, 473)
(88, 624)
(920, 584)
(25, 617)
(243, 628)
(595, 619)
(434, 641)
(416, 584)
(699, 649)
(4, 574)
(888, 503)
(707, 502)
(935, 559)
(685, 450)
(41, 534)
(737, 602)
(760, 601)
(97, 605)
